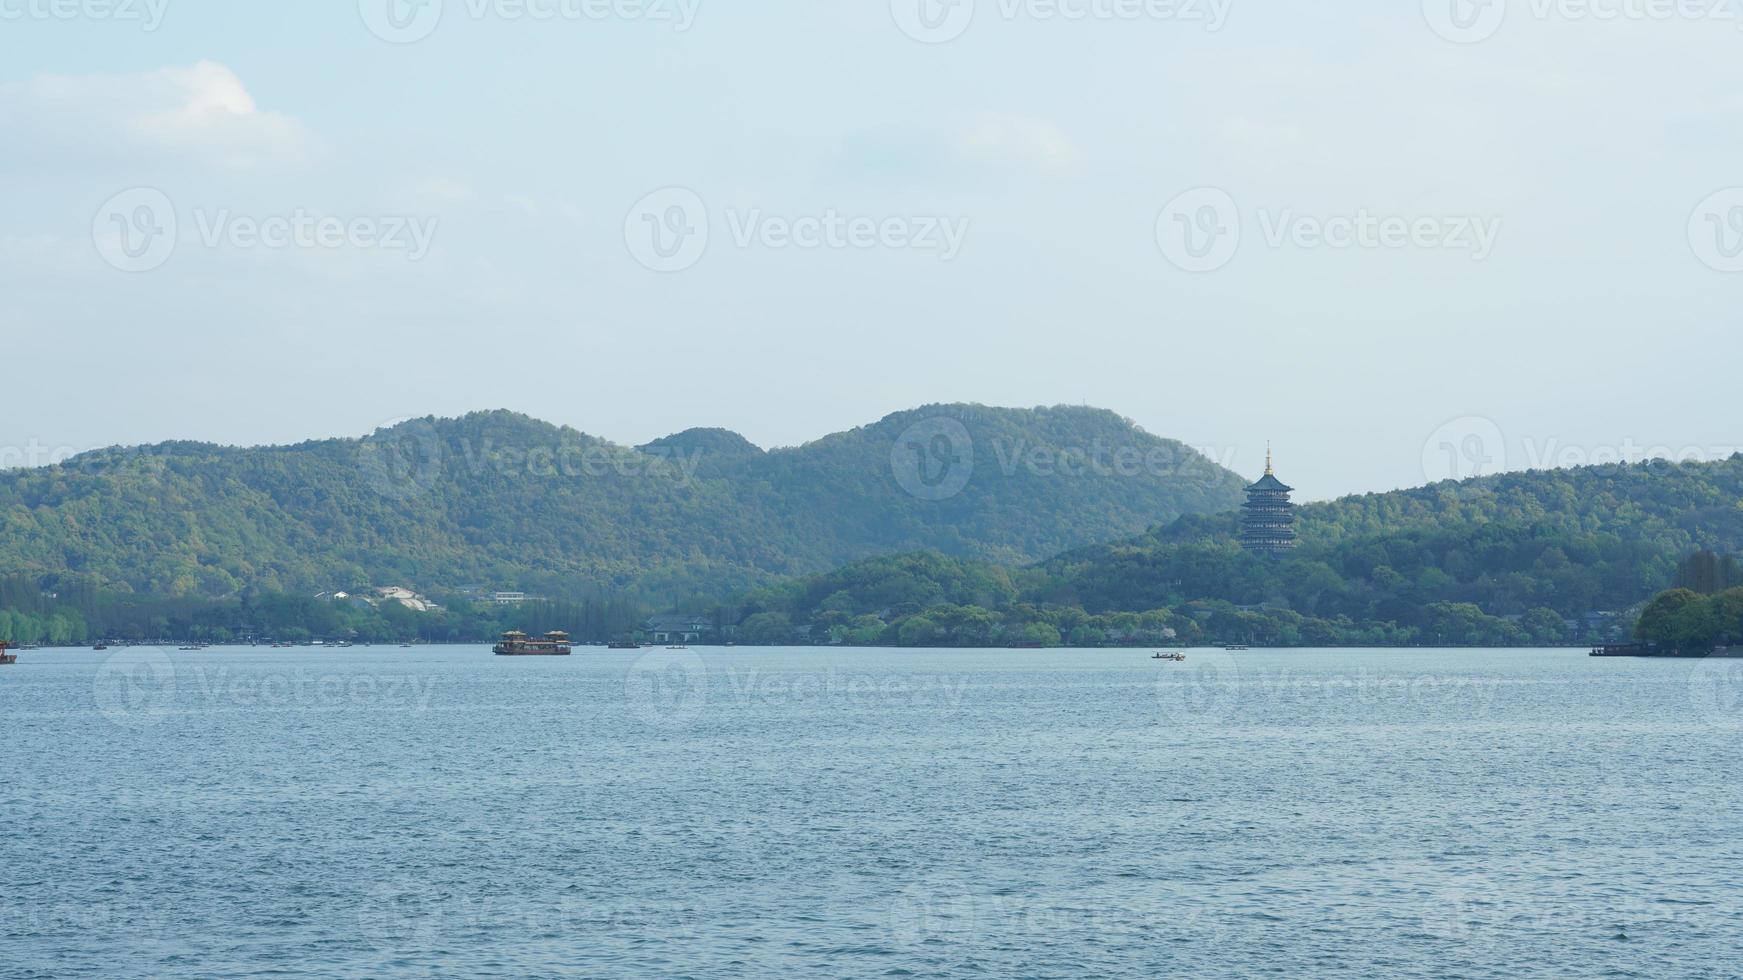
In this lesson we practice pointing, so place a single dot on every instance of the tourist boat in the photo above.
(1235, 647)
(517, 644)
(624, 645)
(101, 646)
(6, 658)
(1175, 657)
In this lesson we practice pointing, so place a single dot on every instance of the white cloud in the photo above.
(1023, 142)
(201, 114)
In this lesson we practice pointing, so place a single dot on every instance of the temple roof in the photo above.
(1270, 482)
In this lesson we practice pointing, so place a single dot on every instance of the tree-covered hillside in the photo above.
(502, 501)
(77, 614)
(1574, 541)
(1542, 557)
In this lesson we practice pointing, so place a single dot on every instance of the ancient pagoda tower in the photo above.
(1268, 518)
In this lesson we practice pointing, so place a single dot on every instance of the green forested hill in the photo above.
(504, 501)
(1525, 557)
(1572, 541)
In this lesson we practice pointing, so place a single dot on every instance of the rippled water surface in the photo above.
(721, 813)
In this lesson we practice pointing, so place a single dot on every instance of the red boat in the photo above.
(6, 658)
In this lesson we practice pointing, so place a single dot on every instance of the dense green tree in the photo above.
(1544, 626)
(1708, 573)
(766, 629)
(1684, 620)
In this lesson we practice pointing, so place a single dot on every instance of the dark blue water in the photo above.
(388, 812)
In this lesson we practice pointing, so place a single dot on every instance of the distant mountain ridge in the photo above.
(500, 500)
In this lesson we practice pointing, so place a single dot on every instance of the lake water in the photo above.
(724, 813)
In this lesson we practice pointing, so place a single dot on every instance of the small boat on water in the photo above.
(1235, 647)
(517, 644)
(101, 646)
(1178, 658)
(623, 645)
(6, 658)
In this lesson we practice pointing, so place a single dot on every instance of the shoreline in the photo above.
(582, 650)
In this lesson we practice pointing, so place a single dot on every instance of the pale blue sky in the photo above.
(1596, 318)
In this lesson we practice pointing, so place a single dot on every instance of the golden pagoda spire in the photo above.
(1268, 471)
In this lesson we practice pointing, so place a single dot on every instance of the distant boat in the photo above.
(1234, 647)
(517, 644)
(101, 646)
(624, 645)
(6, 658)
(1175, 657)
